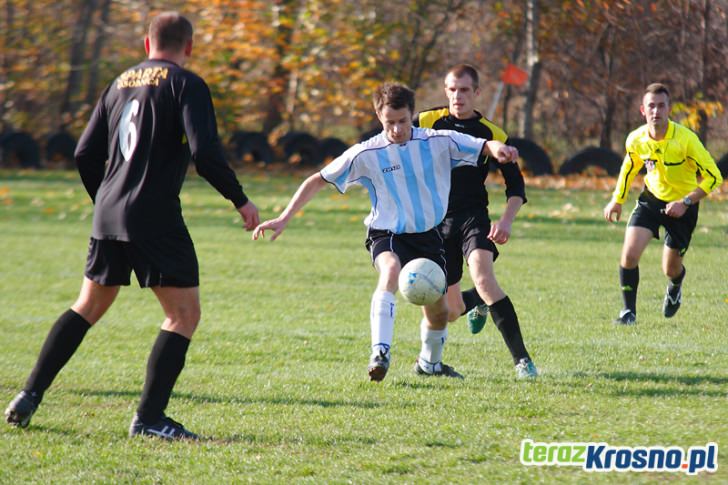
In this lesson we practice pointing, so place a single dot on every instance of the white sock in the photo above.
(433, 342)
(381, 318)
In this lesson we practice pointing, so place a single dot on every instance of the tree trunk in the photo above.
(6, 60)
(509, 90)
(280, 79)
(78, 50)
(101, 36)
(605, 137)
(703, 131)
(533, 67)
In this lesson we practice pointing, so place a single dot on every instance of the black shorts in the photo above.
(168, 260)
(463, 233)
(407, 246)
(678, 231)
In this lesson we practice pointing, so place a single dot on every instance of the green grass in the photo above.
(276, 374)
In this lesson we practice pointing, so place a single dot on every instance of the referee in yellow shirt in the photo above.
(672, 155)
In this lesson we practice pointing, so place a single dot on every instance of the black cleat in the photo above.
(626, 317)
(166, 429)
(440, 371)
(673, 297)
(378, 366)
(21, 409)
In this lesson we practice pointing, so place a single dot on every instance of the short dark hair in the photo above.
(657, 88)
(394, 95)
(461, 70)
(170, 31)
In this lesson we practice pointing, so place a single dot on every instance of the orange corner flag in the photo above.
(514, 75)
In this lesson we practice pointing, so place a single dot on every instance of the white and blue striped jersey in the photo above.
(408, 183)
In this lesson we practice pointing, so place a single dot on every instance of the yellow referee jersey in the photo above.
(672, 164)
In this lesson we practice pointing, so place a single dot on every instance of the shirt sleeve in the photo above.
(706, 165)
(464, 149)
(200, 125)
(92, 149)
(515, 185)
(341, 172)
(631, 165)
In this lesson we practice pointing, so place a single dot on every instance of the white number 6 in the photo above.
(128, 130)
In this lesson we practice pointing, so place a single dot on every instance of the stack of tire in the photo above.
(592, 159)
(18, 149)
(295, 147)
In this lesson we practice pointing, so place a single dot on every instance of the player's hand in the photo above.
(675, 209)
(500, 232)
(249, 213)
(613, 209)
(276, 225)
(506, 154)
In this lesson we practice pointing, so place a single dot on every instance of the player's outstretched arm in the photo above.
(500, 151)
(500, 230)
(305, 192)
(249, 213)
(613, 209)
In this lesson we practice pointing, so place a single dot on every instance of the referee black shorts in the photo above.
(167, 260)
(678, 231)
(463, 233)
(407, 246)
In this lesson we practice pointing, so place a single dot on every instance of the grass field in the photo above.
(276, 375)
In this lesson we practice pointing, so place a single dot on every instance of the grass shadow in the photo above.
(202, 398)
(690, 380)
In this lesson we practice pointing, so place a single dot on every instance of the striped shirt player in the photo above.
(406, 171)
(672, 156)
(408, 183)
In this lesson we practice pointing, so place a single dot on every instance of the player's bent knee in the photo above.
(629, 261)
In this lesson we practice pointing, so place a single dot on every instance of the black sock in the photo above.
(630, 280)
(163, 367)
(506, 320)
(678, 281)
(62, 341)
(471, 299)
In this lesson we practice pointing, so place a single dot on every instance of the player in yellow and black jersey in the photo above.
(467, 229)
(672, 155)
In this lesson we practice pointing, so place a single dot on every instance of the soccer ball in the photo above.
(422, 281)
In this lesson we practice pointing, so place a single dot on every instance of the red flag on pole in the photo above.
(514, 75)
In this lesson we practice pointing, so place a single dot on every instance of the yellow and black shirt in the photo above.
(672, 164)
(467, 191)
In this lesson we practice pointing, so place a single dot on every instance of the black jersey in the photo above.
(467, 189)
(135, 150)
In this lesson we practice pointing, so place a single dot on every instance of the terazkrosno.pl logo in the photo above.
(601, 457)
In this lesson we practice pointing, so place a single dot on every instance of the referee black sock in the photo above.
(163, 367)
(471, 299)
(506, 320)
(62, 341)
(629, 279)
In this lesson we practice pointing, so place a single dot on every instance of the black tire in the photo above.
(19, 149)
(332, 148)
(301, 148)
(536, 160)
(723, 166)
(369, 134)
(59, 149)
(603, 158)
(251, 144)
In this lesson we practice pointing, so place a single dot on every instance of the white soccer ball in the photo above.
(422, 281)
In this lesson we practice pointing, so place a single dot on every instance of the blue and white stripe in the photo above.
(408, 183)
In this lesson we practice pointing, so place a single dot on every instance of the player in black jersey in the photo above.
(146, 124)
(467, 229)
